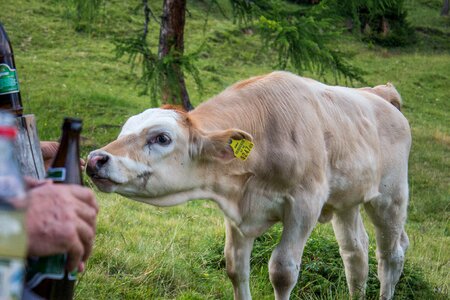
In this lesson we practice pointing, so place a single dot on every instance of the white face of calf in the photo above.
(148, 159)
(158, 153)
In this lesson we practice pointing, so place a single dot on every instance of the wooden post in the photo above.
(28, 149)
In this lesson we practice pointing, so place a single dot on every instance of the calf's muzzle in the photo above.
(96, 161)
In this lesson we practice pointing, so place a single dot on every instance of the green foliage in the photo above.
(156, 73)
(83, 12)
(305, 46)
(140, 54)
(302, 38)
(383, 22)
(174, 62)
(354, 8)
(432, 30)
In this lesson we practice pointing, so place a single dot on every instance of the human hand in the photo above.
(31, 182)
(49, 150)
(61, 218)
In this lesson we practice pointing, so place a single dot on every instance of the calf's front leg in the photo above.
(300, 216)
(237, 254)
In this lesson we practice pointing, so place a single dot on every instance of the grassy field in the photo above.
(143, 252)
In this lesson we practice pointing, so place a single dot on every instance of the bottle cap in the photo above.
(73, 124)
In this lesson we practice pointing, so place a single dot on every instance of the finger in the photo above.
(87, 213)
(84, 194)
(81, 267)
(34, 183)
(82, 164)
(31, 182)
(49, 149)
(87, 235)
(74, 255)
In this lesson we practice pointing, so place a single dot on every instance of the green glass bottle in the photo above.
(10, 98)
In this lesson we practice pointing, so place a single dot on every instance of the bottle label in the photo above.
(57, 174)
(49, 267)
(8, 80)
(11, 278)
(13, 237)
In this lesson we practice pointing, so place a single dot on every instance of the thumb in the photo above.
(31, 182)
(81, 267)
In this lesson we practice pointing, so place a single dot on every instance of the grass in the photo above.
(143, 252)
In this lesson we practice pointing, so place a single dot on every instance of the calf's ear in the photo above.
(216, 145)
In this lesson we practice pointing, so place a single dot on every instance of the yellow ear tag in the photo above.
(241, 148)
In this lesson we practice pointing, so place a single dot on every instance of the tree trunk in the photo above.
(171, 42)
(384, 27)
(444, 11)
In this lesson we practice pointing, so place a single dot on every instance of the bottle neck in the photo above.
(67, 161)
(5, 45)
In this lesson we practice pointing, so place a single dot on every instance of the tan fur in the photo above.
(388, 92)
(127, 146)
(179, 108)
(242, 84)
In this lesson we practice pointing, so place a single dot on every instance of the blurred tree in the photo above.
(302, 37)
(83, 13)
(444, 11)
(171, 44)
(162, 74)
(380, 21)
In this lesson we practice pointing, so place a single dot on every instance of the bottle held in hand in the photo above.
(48, 276)
(12, 215)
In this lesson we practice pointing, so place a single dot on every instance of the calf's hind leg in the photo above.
(388, 214)
(353, 247)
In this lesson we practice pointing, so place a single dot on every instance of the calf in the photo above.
(320, 152)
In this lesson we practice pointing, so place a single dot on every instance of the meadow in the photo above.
(143, 252)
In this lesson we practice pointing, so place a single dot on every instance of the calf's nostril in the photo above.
(95, 163)
(103, 159)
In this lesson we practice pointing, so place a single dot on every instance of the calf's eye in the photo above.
(161, 139)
